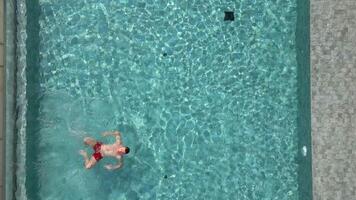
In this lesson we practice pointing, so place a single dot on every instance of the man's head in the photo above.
(124, 150)
(127, 150)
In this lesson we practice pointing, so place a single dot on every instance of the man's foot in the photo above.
(83, 153)
(89, 141)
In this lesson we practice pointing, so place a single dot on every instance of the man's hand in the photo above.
(112, 167)
(117, 166)
(109, 167)
(106, 133)
(114, 133)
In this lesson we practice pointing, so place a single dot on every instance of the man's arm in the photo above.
(117, 135)
(117, 166)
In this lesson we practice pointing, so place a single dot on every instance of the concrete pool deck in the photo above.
(333, 87)
(2, 83)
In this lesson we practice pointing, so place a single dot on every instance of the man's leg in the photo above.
(88, 163)
(89, 141)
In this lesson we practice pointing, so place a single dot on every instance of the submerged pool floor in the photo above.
(207, 106)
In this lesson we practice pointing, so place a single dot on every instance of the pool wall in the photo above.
(304, 111)
(32, 59)
(15, 92)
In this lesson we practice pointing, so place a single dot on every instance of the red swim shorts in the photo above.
(97, 155)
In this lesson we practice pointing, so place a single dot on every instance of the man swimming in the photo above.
(101, 150)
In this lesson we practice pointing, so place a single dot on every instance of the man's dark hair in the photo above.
(127, 150)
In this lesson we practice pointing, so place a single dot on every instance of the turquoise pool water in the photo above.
(207, 106)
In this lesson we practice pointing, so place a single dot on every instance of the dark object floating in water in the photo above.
(164, 54)
(165, 176)
(229, 16)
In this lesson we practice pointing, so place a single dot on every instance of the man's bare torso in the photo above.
(110, 150)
